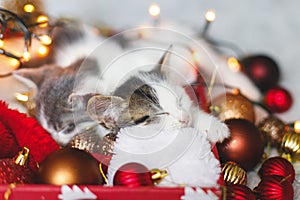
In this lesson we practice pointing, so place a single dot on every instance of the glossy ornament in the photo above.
(70, 166)
(278, 99)
(234, 174)
(273, 130)
(278, 166)
(135, 174)
(274, 187)
(290, 145)
(231, 106)
(238, 192)
(262, 70)
(16, 170)
(245, 145)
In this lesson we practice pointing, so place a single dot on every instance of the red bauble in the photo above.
(245, 145)
(16, 170)
(274, 187)
(10, 172)
(278, 99)
(132, 175)
(278, 166)
(239, 192)
(262, 70)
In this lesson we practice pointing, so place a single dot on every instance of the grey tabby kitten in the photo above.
(57, 109)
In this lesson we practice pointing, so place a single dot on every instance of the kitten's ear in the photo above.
(79, 101)
(106, 109)
(33, 77)
(161, 66)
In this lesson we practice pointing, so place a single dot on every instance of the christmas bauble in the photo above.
(93, 143)
(16, 170)
(278, 99)
(262, 70)
(278, 166)
(275, 187)
(238, 192)
(234, 174)
(132, 175)
(290, 145)
(273, 130)
(231, 105)
(70, 166)
(245, 145)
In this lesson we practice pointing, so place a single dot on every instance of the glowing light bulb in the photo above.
(22, 97)
(43, 51)
(42, 20)
(45, 39)
(14, 63)
(26, 56)
(28, 8)
(196, 56)
(154, 10)
(297, 126)
(210, 15)
(236, 91)
(1, 43)
(233, 64)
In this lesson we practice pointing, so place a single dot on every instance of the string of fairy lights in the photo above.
(11, 24)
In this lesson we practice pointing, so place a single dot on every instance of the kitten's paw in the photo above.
(218, 131)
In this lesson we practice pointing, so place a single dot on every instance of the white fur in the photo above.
(183, 112)
(184, 153)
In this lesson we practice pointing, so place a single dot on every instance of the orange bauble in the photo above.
(70, 166)
(235, 106)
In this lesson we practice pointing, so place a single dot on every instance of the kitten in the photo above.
(154, 98)
(65, 89)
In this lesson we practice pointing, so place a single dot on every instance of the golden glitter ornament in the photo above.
(234, 174)
(233, 105)
(290, 146)
(273, 130)
(91, 142)
(88, 140)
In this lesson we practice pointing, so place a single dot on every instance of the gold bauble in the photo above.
(234, 106)
(273, 130)
(70, 166)
(91, 142)
(234, 174)
(107, 144)
(87, 140)
(290, 146)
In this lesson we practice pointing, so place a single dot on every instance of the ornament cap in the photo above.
(158, 175)
(22, 157)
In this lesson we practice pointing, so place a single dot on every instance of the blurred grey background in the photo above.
(271, 27)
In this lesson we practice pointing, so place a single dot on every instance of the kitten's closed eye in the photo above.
(69, 128)
(142, 119)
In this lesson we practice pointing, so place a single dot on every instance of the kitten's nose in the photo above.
(185, 118)
(184, 121)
